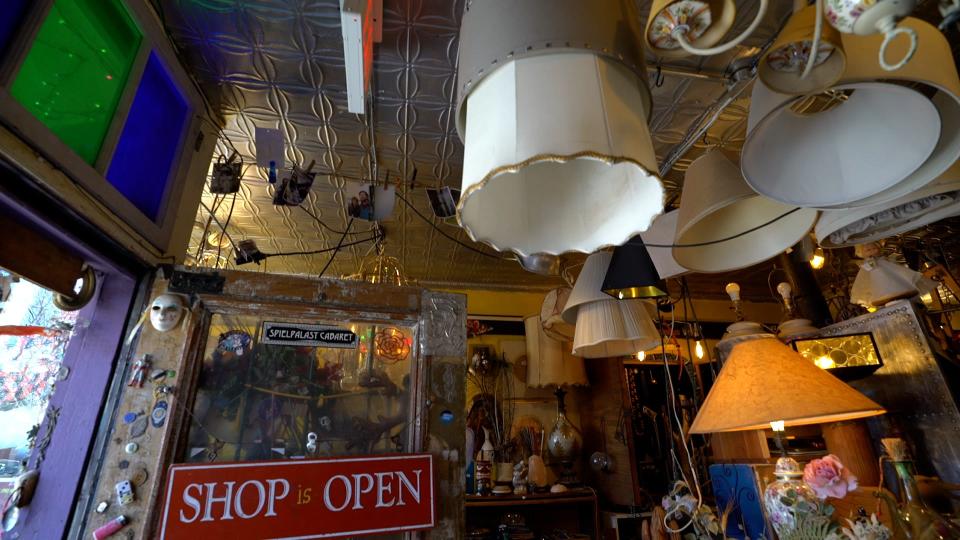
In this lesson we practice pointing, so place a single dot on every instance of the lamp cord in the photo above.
(727, 239)
(336, 249)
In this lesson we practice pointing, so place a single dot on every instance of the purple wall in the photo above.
(91, 356)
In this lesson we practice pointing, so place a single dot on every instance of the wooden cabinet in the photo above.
(573, 511)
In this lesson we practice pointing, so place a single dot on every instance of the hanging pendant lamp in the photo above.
(716, 204)
(632, 274)
(872, 143)
(783, 67)
(552, 108)
(694, 27)
(938, 200)
(606, 327)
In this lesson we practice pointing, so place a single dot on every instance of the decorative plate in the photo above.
(693, 14)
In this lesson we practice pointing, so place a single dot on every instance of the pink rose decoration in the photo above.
(829, 478)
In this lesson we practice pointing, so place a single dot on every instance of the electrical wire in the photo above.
(217, 221)
(337, 249)
(217, 201)
(324, 250)
(226, 223)
(430, 222)
(727, 239)
(331, 229)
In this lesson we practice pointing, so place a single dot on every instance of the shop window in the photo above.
(259, 401)
(33, 339)
(147, 151)
(76, 70)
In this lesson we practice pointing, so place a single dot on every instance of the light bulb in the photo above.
(817, 259)
(698, 349)
(825, 362)
(777, 425)
(620, 295)
(641, 355)
(733, 291)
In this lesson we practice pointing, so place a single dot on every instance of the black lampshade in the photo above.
(632, 274)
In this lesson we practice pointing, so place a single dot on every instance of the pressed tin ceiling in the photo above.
(279, 64)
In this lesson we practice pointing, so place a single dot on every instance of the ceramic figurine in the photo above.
(139, 371)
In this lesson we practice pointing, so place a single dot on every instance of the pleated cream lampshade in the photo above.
(763, 381)
(558, 156)
(880, 281)
(662, 233)
(605, 327)
(549, 362)
(716, 203)
(708, 21)
(938, 200)
(869, 158)
(782, 66)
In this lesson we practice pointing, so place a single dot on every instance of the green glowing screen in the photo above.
(76, 70)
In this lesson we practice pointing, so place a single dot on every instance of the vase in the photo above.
(787, 496)
(563, 443)
(916, 520)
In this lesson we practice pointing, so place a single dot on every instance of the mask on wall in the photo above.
(166, 311)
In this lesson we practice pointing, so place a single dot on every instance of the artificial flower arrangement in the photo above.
(796, 505)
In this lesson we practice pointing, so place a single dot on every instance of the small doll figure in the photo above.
(139, 371)
(520, 478)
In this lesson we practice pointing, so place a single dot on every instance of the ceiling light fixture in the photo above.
(685, 27)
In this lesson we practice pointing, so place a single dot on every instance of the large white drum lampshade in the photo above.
(856, 154)
(717, 204)
(558, 157)
(606, 327)
(866, 144)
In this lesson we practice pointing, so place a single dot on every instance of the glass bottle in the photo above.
(917, 520)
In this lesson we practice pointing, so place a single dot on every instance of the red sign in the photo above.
(316, 498)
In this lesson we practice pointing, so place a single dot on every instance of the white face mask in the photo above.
(165, 312)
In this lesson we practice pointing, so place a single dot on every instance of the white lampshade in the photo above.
(716, 204)
(860, 148)
(549, 362)
(880, 281)
(612, 328)
(933, 202)
(662, 232)
(550, 314)
(606, 327)
(932, 66)
(558, 156)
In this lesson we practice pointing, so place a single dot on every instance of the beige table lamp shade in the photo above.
(764, 380)
(549, 362)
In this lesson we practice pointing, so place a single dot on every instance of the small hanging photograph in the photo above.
(293, 190)
(369, 202)
(444, 201)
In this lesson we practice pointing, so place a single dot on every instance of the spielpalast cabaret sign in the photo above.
(307, 335)
(315, 498)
